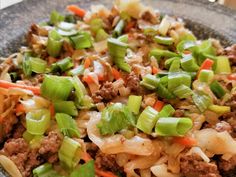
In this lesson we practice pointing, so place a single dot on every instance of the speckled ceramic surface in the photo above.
(204, 18)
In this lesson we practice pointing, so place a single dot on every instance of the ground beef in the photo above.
(193, 166)
(20, 153)
(106, 93)
(231, 53)
(179, 113)
(150, 17)
(18, 131)
(50, 146)
(133, 82)
(223, 126)
(226, 165)
(92, 149)
(107, 162)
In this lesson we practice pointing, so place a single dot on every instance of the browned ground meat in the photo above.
(107, 162)
(231, 53)
(133, 82)
(227, 165)
(20, 153)
(223, 126)
(106, 93)
(26, 158)
(7, 125)
(50, 146)
(18, 131)
(92, 149)
(193, 166)
(178, 113)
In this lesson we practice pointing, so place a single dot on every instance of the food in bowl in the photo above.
(124, 91)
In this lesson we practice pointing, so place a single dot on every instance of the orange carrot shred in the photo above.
(154, 70)
(158, 105)
(20, 108)
(87, 63)
(129, 25)
(52, 110)
(186, 141)
(116, 74)
(88, 79)
(7, 85)
(76, 10)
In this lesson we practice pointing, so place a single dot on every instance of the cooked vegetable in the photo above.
(158, 53)
(163, 40)
(85, 170)
(206, 76)
(222, 65)
(166, 111)
(115, 118)
(177, 79)
(134, 103)
(150, 82)
(38, 65)
(67, 125)
(67, 107)
(217, 89)
(82, 40)
(54, 44)
(62, 65)
(182, 91)
(56, 17)
(147, 120)
(171, 126)
(45, 170)
(189, 64)
(202, 101)
(76, 10)
(118, 29)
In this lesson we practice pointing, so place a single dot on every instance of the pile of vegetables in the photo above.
(82, 54)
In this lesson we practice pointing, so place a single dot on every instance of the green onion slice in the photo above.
(67, 107)
(54, 43)
(166, 111)
(38, 65)
(171, 126)
(150, 82)
(182, 91)
(163, 40)
(217, 89)
(134, 103)
(37, 121)
(202, 101)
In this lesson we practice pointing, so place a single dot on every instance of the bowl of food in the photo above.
(122, 89)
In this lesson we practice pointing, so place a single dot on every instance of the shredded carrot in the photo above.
(20, 108)
(129, 25)
(87, 63)
(7, 85)
(76, 10)
(186, 141)
(52, 110)
(1, 119)
(116, 74)
(207, 64)
(158, 105)
(232, 76)
(101, 77)
(154, 70)
(104, 173)
(86, 157)
(88, 79)
(187, 52)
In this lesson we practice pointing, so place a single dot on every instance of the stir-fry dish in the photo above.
(117, 92)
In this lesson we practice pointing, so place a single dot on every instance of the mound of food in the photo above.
(119, 92)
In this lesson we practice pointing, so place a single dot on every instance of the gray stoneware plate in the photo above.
(203, 18)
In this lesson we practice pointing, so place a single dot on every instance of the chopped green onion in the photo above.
(164, 81)
(171, 126)
(150, 82)
(118, 29)
(177, 79)
(117, 50)
(82, 40)
(187, 36)
(45, 170)
(85, 170)
(76, 71)
(115, 118)
(56, 17)
(69, 152)
(35, 143)
(150, 30)
(54, 44)
(163, 92)
(124, 38)
(67, 107)
(147, 120)
(37, 121)
(158, 53)
(38, 65)
(217, 89)
(189, 64)
(163, 40)
(164, 26)
(175, 66)
(26, 65)
(219, 109)
(134, 103)
(67, 125)
(66, 26)
(27, 136)
(67, 33)
(63, 64)
(166, 111)
(222, 65)
(82, 100)
(169, 61)
(70, 18)
(202, 101)
(182, 91)
(96, 24)
(206, 76)
(186, 45)
(101, 35)
(56, 88)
